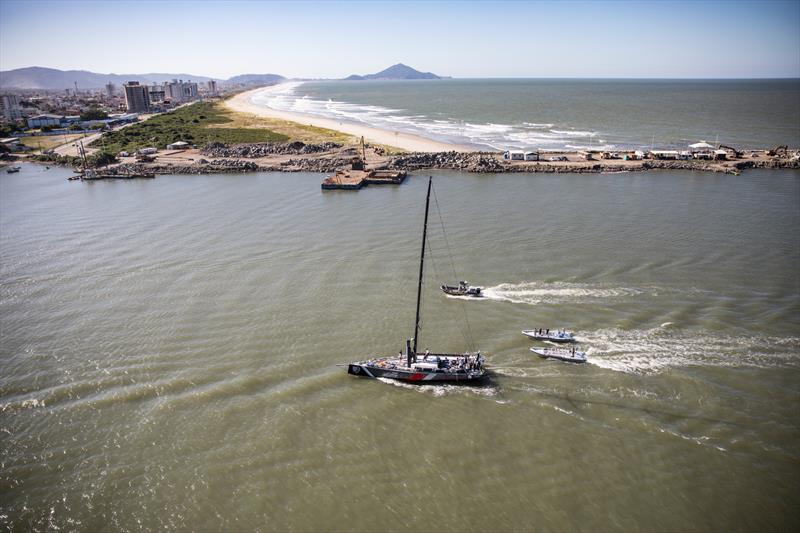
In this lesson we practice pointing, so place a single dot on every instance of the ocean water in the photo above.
(169, 352)
(550, 113)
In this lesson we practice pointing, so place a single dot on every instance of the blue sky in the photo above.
(694, 39)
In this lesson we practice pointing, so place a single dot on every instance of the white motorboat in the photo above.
(562, 354)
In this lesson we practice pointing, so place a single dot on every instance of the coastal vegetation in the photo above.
(292, 130)
(197, 124)
(94, 113)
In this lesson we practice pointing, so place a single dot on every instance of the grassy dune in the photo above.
(293, 130)
(199, 123)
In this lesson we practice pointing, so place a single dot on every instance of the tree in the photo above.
(101, 159)
(94, 113)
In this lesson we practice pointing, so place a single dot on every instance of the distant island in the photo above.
(396, 72)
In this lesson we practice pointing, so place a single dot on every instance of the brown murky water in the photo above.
(168, 353)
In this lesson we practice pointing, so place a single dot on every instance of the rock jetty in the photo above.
(465, 161)
(330, 157)
(253, 151)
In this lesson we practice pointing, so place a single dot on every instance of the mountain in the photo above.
(397, 72)
(255, 79)
(54, 79)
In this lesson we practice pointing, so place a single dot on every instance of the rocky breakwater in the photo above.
(465, 161)
(318, 164)
(488, 162)
(216, 166)
(254, 151)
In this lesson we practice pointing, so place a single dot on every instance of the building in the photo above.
(514, 155)
(121, 118)
(665, 154)
(45, 120)
(157, 93)
(180, 91)
(110, 89)
(12, 144)
(9, 108)
(137, 98)
(180, 145)
(212, 87)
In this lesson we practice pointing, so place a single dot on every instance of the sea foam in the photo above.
(491, 135)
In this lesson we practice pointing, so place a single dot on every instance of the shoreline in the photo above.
(263, 158)
(242, 103)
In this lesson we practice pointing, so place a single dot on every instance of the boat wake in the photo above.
(443, 389)
(535, 293)
(659, 349)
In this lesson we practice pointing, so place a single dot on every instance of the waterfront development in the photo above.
(170, 351)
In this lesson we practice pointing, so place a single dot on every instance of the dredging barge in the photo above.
(358, 176)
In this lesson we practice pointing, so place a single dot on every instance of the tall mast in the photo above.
(421, 263)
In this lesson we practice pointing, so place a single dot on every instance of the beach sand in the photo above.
(242, 103)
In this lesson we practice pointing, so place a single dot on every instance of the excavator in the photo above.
(779, 151)
(360, 163)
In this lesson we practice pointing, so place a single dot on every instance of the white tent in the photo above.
(701, 144)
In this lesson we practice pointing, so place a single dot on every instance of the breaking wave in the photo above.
(525, 135)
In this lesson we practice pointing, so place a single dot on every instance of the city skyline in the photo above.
(468, 39)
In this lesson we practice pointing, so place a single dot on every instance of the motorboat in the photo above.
(560, 336)
(462, 289)
(562, 354)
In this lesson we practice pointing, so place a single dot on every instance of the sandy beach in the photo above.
(406, 141)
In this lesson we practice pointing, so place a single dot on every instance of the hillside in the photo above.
(54, 79)
(255, 79)
(396, 72)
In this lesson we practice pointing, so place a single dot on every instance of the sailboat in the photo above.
(428, 367)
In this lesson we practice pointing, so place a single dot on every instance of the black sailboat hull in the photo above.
(414, 376)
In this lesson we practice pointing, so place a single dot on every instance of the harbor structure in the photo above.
(137, 98)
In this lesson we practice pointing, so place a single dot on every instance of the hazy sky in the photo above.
(463, 39)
